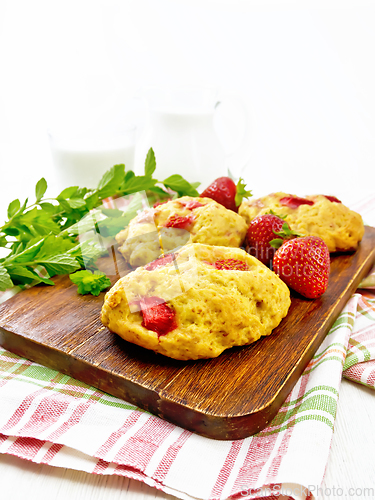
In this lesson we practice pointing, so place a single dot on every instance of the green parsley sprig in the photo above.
(90, 282)
(41, 237)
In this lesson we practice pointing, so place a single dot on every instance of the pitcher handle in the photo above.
(235, 129)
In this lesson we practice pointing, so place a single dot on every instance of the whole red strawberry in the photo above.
(261, 231)
(304, 265)
(226, 192)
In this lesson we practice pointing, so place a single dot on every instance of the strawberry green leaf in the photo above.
(287, 233)
(271, 212)
(284, 235)
(241, 192)
(276, 243)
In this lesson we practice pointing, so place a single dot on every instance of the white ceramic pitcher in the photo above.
(182, 128)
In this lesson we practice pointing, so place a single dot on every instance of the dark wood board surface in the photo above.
(229, 397)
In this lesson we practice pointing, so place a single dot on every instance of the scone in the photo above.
(196, 303)
(184, 220)
(318, 215)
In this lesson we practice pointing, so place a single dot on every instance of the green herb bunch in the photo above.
(41, 237)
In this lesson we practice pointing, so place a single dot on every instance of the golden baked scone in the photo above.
(173, 224)
(318, 215)
(197, 303)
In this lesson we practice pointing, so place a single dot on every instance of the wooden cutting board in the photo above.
(230, 397)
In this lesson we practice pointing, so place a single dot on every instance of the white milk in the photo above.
(85, 167)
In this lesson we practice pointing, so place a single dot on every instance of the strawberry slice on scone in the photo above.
(157, 316)
(161, 261)
(295, 201)
(231, 265)
(180, 221)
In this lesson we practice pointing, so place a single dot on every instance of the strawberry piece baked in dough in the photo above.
(317, 215)
(173, 224)
(198, 302)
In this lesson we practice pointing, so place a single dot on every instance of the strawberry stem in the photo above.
(241, 192)
(271, 212)
(276, 243)
(285, 234)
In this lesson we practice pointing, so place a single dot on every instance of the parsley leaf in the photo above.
(111, 181)
(150, 163)
(86, 253)
(137, 183)
(27, 254)
(40, 189)
(58, 264)
(67, 193)
(5, 281)
(24, 275)
(13, 208)
(183, 188)
(88, 282)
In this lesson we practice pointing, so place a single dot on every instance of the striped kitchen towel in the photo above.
(360, 357)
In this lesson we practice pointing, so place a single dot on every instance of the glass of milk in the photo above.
(83, 153)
